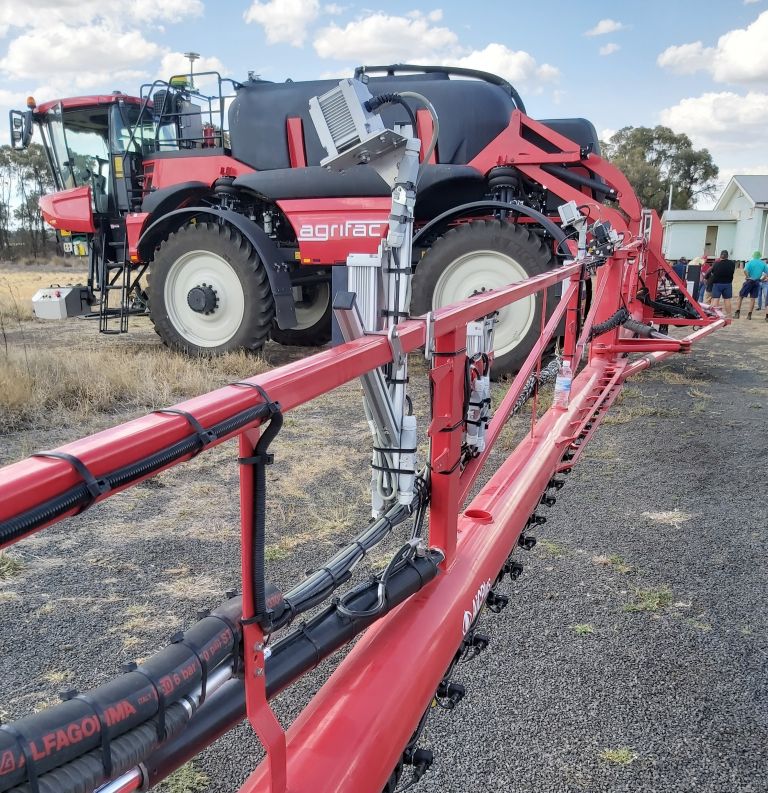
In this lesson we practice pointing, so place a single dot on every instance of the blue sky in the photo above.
(699, 67)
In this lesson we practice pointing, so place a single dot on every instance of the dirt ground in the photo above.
(633, 655)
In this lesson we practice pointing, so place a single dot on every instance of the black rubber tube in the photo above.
(59, 734)
(575, 179)
(290, 658)
(260, 516)
(25, 523)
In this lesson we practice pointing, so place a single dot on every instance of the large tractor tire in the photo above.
(209, 293)
(477, 257)
(313, 317)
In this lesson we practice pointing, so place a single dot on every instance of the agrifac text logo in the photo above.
(356, 229)
(477, 604)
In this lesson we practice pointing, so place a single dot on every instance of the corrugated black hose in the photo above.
(259, 462)
(28, 521)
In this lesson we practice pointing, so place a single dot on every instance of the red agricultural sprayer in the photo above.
(417, 618)
(211, 212)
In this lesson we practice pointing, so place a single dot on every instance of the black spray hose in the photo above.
(261, 460)
(43, 741)
(614, 321)
(294, 655)
(28, 521)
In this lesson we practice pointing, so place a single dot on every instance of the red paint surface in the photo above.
(69, 209)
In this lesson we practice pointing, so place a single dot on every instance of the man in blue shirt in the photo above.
(680, 267)
(755, 271)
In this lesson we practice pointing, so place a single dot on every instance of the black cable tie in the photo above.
(404, 270)
(106, 738)
(394, 451)
(302, 629)
(385, 312)
(257, 459)
(204, 436)
(161, 704)
(449, 354)
(398, 380)
(181, 639)
(390, 471)
(454, 427)
(272, 407)
(96, 487)
(453, 467)
(26, 753)
(336, 581)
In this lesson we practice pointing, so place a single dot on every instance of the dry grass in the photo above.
(670, 376)
(650, 600)
(17, 289)
(35, 382)
(628, 413)
(620, 756)
(615, 562)
(186, 780)
(674, 517)
(10, 566)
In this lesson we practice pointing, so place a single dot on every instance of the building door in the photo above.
(710, 241)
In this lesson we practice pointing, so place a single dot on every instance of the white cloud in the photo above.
(605, 26)
(334, 9)
(381, 36)
(740, 55)
(685, 58)
(607, 133)
(517, 66)
(609, 49)
(750, 2)
(81, 55)
(723, 121)
(284, 21)
(46, 13)
(384, 37)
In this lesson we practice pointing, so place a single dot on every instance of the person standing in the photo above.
(762, 295)
(721, 278)
(705, 267)
(680, 266)
(754, 271)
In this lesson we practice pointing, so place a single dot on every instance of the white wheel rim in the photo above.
(482, 271)
(192, 270)
(310, 312)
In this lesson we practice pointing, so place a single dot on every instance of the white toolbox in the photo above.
(60, 302)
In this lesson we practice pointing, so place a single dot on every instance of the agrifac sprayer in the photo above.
(418, 616)
(221, 202)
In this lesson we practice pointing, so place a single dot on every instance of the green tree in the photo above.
(652, 157)
(24, 177)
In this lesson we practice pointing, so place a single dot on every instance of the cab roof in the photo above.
(78, 102)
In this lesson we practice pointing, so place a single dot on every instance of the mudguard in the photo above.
(277, 269)
(476, 207)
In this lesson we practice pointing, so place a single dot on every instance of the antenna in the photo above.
(192, 57)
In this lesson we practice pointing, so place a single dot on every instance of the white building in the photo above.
(738, 223)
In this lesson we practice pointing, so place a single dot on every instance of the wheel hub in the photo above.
(202, 299)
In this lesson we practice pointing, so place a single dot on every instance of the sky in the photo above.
(700, 67)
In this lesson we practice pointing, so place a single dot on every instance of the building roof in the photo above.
(697, 216)
(756, 187)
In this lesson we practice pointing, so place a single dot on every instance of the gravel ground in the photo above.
(665, 509)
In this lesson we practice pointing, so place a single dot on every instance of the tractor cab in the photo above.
(100, 150)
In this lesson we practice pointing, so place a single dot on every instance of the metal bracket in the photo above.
(398, 357)
(429, 340)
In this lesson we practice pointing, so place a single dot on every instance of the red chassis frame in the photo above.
(425, 631)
